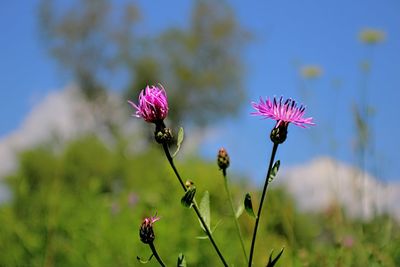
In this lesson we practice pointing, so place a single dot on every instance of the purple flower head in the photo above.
(146, 232)
(153, 104)
(283, 112)
(150, 220)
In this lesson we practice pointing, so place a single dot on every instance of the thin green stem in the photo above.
(153, 249)
(171, 162)
(253, 241)
(234, 215)
(195, 207)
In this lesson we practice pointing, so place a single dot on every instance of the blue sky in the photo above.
(287, 34)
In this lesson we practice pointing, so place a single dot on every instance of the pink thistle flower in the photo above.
(146, 232)
(153, 104)
(149, 221)
(283, 112)
(348, 241)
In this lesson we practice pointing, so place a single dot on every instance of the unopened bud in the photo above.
(146, 232)
(223, 159)
(279, 134)
(163, 136)
(189, 184)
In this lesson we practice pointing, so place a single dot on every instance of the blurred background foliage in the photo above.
(81, 203)
(98, 40)
(82, 206)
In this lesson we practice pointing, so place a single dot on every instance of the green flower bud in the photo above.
(223, 159)
(163, 136)
(278, 134)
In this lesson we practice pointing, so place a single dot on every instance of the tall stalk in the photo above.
(195, 207)
(155, 253)
(253, 241)
(234, 215)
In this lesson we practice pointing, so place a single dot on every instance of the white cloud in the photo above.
(324, 181)
(61, 115)
(56, 115)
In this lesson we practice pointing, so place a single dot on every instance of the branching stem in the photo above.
(195, 207)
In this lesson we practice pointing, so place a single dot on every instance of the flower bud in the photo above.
(163, 136)
(279, 133)
(189, 184)
(223, 159)
(146, 232)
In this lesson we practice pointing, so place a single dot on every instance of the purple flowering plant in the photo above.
(153, 104)
(153, 108)
(283, 112)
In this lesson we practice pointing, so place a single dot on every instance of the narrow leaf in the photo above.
(248, 206)
(181, 261)
(179, 141)
(187, 199)
(211, 230)
(274, 171)
(181, 134)
(205, 209)
(144, 261)
(215, 226)
(271, 263)
(239, 211)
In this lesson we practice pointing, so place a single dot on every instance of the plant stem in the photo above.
(153, 249)
(234, 215)
(253, 241)
(195, 207)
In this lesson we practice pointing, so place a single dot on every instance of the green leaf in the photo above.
(248, 206)
(181, 261)
(144, 261)
(271, 263)
(187, 199)
(215, 226)
(239, 211)
(181, 134)
(211, 230)
(205, 210)
(274, 171)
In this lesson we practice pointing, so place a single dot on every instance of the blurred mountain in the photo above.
(324, 182)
